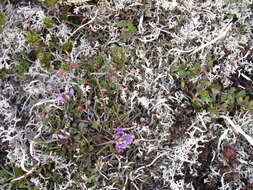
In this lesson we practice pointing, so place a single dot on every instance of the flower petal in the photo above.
(73, 65)
(61, 73)
(71, 92)
(61, 98)
(128, 138)
(120, 147)
(119, 131)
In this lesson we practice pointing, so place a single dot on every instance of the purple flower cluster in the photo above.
(121, 139)
(66, 96)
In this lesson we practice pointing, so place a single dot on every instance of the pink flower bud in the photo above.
(229, 152)
(73, 65)
(61, 73)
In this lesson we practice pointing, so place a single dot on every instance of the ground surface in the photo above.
(126, 94)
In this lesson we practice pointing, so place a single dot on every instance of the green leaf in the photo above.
(213, 111)
(182, 73)
(215, 86)
(232, 90)
(231, 100)
(224, 97)
(242, 28)
(196, 67)
(32, 38)
(46, 120)
(23, 66)
(182, 83)
(174, 69)
(205, 98)
(242, 94)
(210, 62)
(4, 174)
(232, 16)
(95, 124)
(54, 43)
(194, 71)
(23, 77)
(197, 104)
(2, 18)
(203, 84)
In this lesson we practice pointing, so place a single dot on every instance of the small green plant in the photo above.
(210, 95)
(120, 56)
(43, 51)
(2, 21)
(67, 46)
(242, 28)
(50, 2)
(128, 28)
(48, 23)
(96, 64)
(33, 39)
(184, 72)
(235, 99)
(232, 16)
(4, 72)
(54, 44)
(45, 58)
(22, 68)
(203, 96)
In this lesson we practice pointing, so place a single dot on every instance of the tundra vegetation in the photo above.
(126, 94)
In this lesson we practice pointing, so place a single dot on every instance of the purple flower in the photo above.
(119, 131)
(71, 92)
(128, 138)
(120, 147)
(66, 96)
(62, 136)
(122, 140)
(61, 98)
